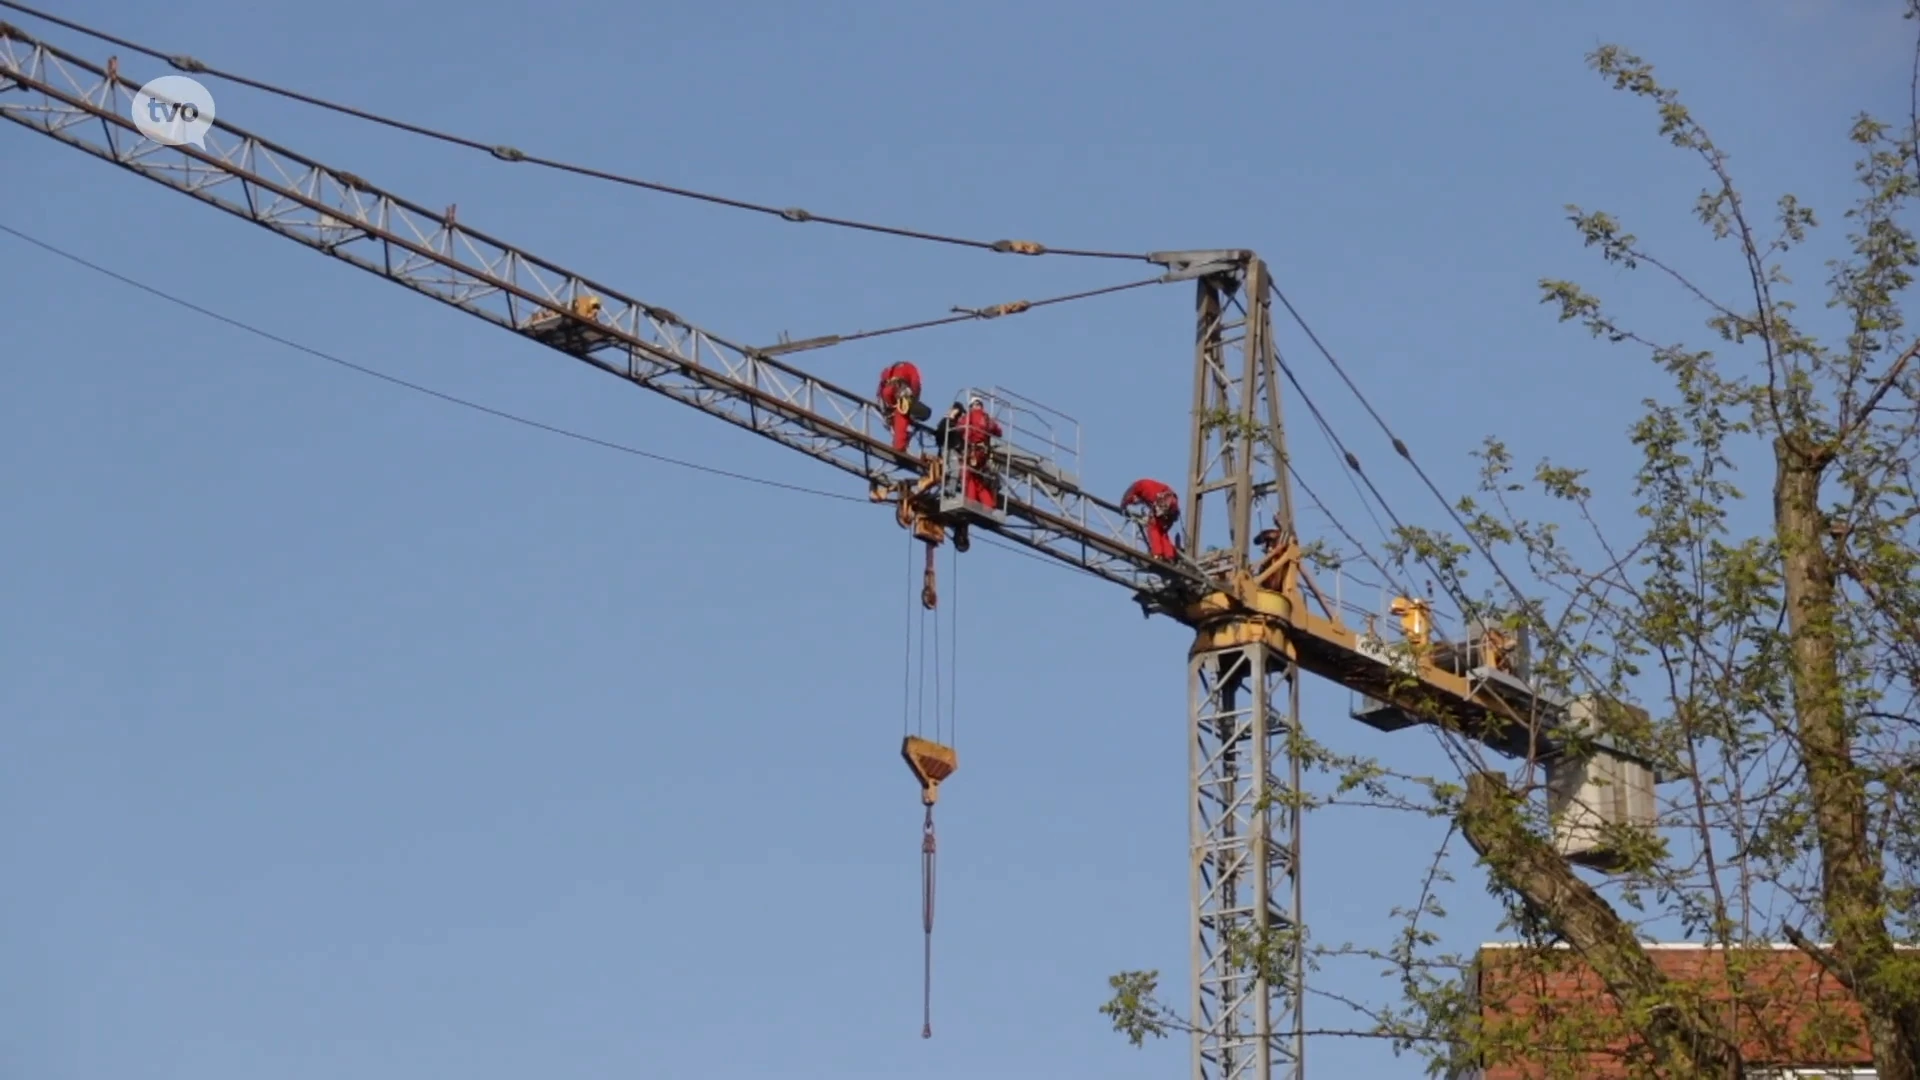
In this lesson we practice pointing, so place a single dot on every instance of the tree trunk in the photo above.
(1852, 880)
(1687, 1044)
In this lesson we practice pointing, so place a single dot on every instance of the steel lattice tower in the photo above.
(1243, 705)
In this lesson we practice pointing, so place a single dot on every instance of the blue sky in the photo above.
(350, 733)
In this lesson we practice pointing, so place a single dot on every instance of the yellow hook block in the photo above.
(931, 763)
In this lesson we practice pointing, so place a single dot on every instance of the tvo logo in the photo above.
(165, 112)
(173, 110)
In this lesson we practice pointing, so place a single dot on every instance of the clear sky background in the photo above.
(349, 733)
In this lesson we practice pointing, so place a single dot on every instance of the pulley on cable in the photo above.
(931, 761)
(915, 507)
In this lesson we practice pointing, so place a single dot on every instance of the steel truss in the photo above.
(1245, 837)
(1248, 966)
(1238, 476)
(73, 100)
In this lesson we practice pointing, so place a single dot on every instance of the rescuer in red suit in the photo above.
(1163, 510)
(900, 393)
(977, 432)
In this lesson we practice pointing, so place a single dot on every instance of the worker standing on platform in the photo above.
(900, 393)
(1163, 510)
(946, 438)
(947, 434)
(977, 432)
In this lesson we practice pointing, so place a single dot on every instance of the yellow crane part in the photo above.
(931, 763)
(1416, 619)
(584, 306)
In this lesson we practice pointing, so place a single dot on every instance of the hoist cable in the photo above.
(927, 851)
(511, 154)
(920, 683)
(938, 731)
(953, 647)
(906, 665)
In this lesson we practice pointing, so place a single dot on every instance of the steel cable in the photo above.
(190, 65)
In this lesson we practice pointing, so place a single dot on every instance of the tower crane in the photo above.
(1240, 583)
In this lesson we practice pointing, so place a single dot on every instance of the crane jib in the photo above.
(339, 213)
(336, 212)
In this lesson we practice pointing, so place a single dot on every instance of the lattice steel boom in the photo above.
(1237, 442)
(341, 214)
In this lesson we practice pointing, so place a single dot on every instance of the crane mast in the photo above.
(1243, 705)
(1240, 585)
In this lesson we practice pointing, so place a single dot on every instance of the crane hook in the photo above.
(929, 594)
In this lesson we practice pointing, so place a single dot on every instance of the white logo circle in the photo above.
(174, 110)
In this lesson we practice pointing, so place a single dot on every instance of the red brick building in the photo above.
(1545, 1016)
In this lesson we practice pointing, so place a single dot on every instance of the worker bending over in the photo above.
(900, 393)
(977, 431)
(1163, 510)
